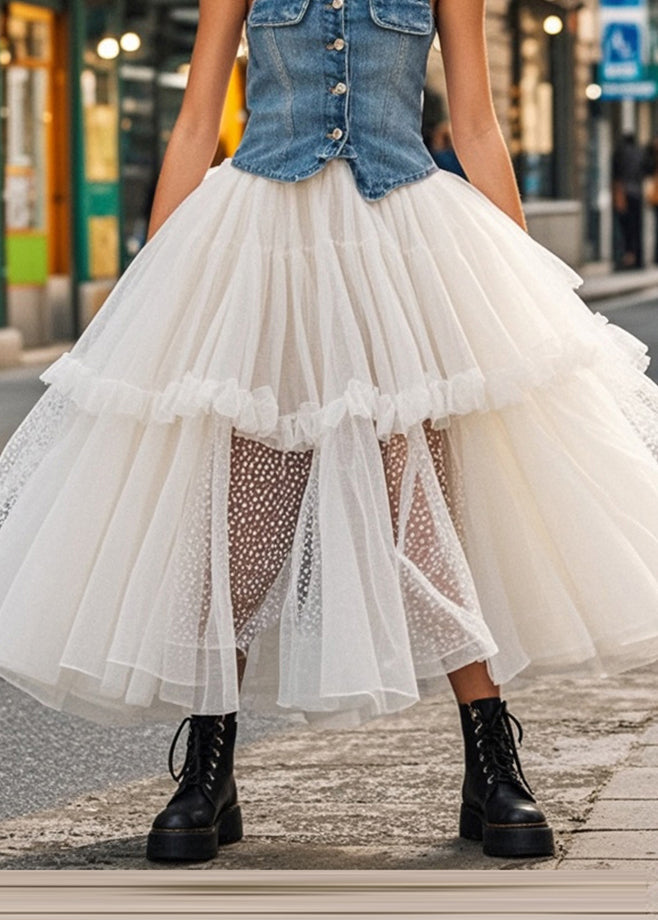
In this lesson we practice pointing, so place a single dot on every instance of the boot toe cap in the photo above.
(503, 809)
(178, 821)
(189, 811)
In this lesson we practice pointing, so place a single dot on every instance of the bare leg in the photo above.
(266, 488)
(242, 664)
(472, 682)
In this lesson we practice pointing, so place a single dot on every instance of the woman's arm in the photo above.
(477, 138)
(194, 138)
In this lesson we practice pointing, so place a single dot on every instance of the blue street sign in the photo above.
(622, 51)
(624, 70)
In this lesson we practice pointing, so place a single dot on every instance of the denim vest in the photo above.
(337, 78)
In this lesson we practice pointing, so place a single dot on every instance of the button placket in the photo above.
(336, 71)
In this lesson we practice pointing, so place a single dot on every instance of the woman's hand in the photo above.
(476, 134)
(194, 138)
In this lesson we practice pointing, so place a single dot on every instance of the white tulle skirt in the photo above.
(367, 442)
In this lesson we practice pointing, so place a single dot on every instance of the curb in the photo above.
(598, 286)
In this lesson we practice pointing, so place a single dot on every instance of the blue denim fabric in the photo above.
(312, 99)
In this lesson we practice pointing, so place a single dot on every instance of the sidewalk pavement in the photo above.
(386, 796)
(600, 283)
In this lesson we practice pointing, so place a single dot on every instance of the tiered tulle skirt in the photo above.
(368, 442)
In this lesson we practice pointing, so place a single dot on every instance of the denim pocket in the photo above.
(277, 12)
(412, 16)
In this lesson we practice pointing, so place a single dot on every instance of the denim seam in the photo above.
(289, 90)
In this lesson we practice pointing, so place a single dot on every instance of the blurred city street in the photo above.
(90, 95)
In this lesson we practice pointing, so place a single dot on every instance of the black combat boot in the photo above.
(203, 813)
(498, 806)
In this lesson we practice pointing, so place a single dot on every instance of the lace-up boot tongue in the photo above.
(498, 806)
(203, 812)
(209, 755)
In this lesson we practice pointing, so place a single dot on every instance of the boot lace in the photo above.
(204, 742)
(497, 747)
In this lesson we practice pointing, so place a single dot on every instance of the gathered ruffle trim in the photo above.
(256, 412)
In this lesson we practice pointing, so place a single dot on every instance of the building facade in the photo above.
(90, 92)
(541, 55)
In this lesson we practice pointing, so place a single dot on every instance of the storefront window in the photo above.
(100, 124)
(541, 116)
(100, 112)
(536, 98)
(28, 118)
(28, 38)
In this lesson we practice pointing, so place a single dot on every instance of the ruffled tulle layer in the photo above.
(432, 304)
(256, 412)
(453, 460)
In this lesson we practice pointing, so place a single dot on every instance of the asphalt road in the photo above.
(47, 757)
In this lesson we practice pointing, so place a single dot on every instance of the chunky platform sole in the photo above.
(513, 840)
(195, 844)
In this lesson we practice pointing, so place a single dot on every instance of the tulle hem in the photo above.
(76, 693)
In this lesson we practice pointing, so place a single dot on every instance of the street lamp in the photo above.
(553, 25)
(108, 48)
(130, 41)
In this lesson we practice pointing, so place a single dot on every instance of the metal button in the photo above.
(336, 134)
(338, 44)
(339, 89)
(337, 4)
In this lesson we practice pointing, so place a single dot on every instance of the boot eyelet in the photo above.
(490, 780)
(481, 758)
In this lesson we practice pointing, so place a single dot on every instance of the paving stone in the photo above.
(647, 868)
(632, 783)
(626, 845)
(618, 814)
(645, 755)
(650, 736)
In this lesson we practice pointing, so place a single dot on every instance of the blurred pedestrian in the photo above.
(443, 152)
(652, 191)
(628, 172)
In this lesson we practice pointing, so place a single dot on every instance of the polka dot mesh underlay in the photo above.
(265, 496)
(265, 492)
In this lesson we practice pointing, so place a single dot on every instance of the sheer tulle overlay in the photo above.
(368, 442)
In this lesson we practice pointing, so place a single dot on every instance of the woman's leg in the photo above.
(266, 488)
(241, 658)
(497, 805)
(472, 682)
